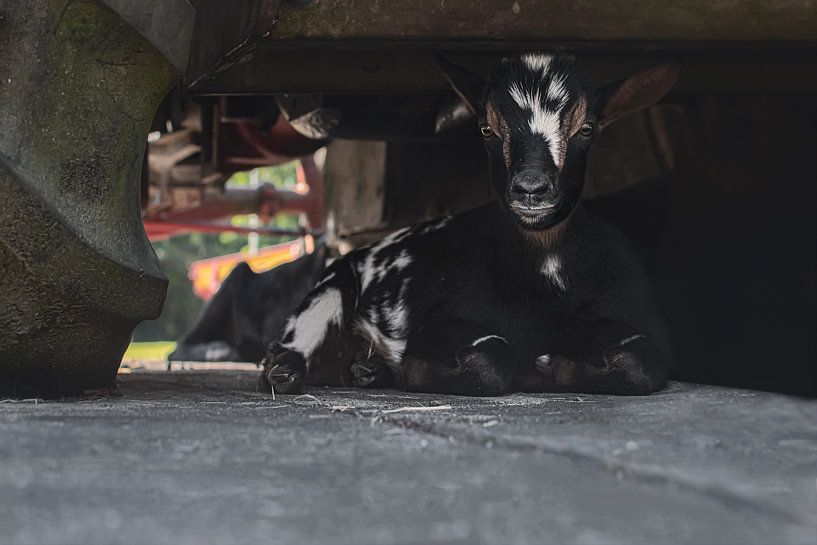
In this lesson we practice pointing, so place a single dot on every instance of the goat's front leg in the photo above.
(315, 346)
(453, 356)
(605, 357)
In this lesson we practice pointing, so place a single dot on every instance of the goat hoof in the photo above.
(544, 364)
(364, 375)
(284, 381)
(284, 371)
(629, 353)
(557, 369)
(369, 375)
(361, 370)
(485, 354)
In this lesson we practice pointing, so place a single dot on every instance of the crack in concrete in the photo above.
(646, 473)
(726, 494)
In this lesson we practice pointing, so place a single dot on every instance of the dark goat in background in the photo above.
(528, 293)
(249, 311)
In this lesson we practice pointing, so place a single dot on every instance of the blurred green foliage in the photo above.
(182, 307)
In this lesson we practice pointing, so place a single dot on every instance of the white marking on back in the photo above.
(488, 337)
(435, 225)
(309, 328)
(368, 269)
(401, 261)
(552, 269)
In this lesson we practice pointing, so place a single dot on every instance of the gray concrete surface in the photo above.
(201, 457)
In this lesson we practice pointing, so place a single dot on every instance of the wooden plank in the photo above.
(378, 71)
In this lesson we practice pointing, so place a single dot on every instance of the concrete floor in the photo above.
(201, 457)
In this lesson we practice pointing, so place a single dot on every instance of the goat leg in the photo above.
(315, 347)
(461, 357)
(631, 364)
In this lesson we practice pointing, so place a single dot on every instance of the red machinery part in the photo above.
(266, 201)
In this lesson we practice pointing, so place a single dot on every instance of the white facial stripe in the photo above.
(552, 269)
(536, 61)
(543, 120)
(310, 326)
(557, 91)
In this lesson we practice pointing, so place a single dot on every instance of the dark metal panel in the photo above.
(403, 71)
(226, 33)
(262, 46)
(555, 20)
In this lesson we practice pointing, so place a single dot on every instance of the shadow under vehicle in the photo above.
(716, 185)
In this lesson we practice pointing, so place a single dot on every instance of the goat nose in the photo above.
(531, 182)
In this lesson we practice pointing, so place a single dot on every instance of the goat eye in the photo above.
(486, 130)
(587, 129)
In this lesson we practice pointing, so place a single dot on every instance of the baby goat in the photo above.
(529, 293)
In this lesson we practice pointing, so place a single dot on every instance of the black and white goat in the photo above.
(529, 293)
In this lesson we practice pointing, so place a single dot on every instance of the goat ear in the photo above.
(637, 92)
(468, 85)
